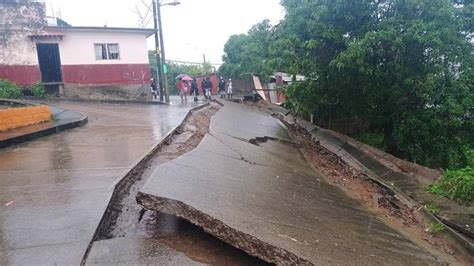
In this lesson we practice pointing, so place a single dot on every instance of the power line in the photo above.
(146, 14)
(193, 63)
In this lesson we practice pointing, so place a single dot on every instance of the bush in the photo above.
(9, 90)
(38, 91)
(456, 185)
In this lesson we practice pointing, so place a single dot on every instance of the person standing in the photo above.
(229, 89)
(208, 88)
(184, 91)
(194, 89)
(222, 87)
(154, 89)
(203, 87)
(179, 86)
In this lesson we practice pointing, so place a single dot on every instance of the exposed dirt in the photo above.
(376, 198)
(126, 218)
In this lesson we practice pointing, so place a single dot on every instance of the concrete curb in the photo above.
(339, 146)
(16, 101)
(104, 221)
(44, 132)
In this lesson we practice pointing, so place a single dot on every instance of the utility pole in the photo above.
(163, 57)
(159, 67)
(204, 64)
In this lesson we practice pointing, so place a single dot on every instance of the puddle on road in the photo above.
(191, 240)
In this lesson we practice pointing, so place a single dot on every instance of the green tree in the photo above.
(404, 67)
(413, 75)
(247, 54)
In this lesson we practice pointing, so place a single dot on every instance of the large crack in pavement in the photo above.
(216, 227)
(125, 218)
(262, 196)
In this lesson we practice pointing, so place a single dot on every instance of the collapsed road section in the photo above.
(128, 235)
(263, 197)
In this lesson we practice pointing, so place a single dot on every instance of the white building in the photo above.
(85, 62)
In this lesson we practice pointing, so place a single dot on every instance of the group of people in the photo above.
(185, 88)
(225, 90)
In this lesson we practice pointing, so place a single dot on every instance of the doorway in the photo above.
(49, 62)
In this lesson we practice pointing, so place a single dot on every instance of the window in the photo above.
(107, 51)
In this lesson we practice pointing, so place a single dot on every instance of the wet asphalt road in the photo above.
(54, 190)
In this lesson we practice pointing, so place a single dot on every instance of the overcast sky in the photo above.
(193, 28)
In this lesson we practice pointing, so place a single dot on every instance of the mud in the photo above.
(375, 197)
(125, 218)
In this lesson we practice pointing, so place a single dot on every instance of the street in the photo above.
(54, 190)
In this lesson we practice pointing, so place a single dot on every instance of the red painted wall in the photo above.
(125, 74)
(213, 78)
(21, 75)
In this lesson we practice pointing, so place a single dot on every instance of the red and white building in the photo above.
(83, 62)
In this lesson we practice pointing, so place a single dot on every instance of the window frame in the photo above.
(107, 51)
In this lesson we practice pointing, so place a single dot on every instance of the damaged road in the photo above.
(54, 190)
(129, 235)
(248, 184)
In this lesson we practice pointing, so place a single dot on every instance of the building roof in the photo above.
(287, 77)
(146, 31)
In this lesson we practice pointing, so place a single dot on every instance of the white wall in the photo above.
(77, 47)
(18, 50)
(17, 22)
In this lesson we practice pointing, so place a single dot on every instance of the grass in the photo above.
(54, 119)
(433, 209)
(51, 98)
(458, 184)
(436, 228)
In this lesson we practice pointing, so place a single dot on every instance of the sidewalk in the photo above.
(63, 119)
(248, 184)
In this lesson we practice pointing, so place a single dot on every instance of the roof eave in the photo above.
(146, 31)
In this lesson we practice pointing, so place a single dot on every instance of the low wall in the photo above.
(125, 92)
(23, 116)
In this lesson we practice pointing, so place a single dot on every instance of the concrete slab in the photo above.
(140, 251)
(55, 254)
(266, 200)
(247, 123)
(54, 190)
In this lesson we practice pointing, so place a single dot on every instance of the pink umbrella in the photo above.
(187, 78)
